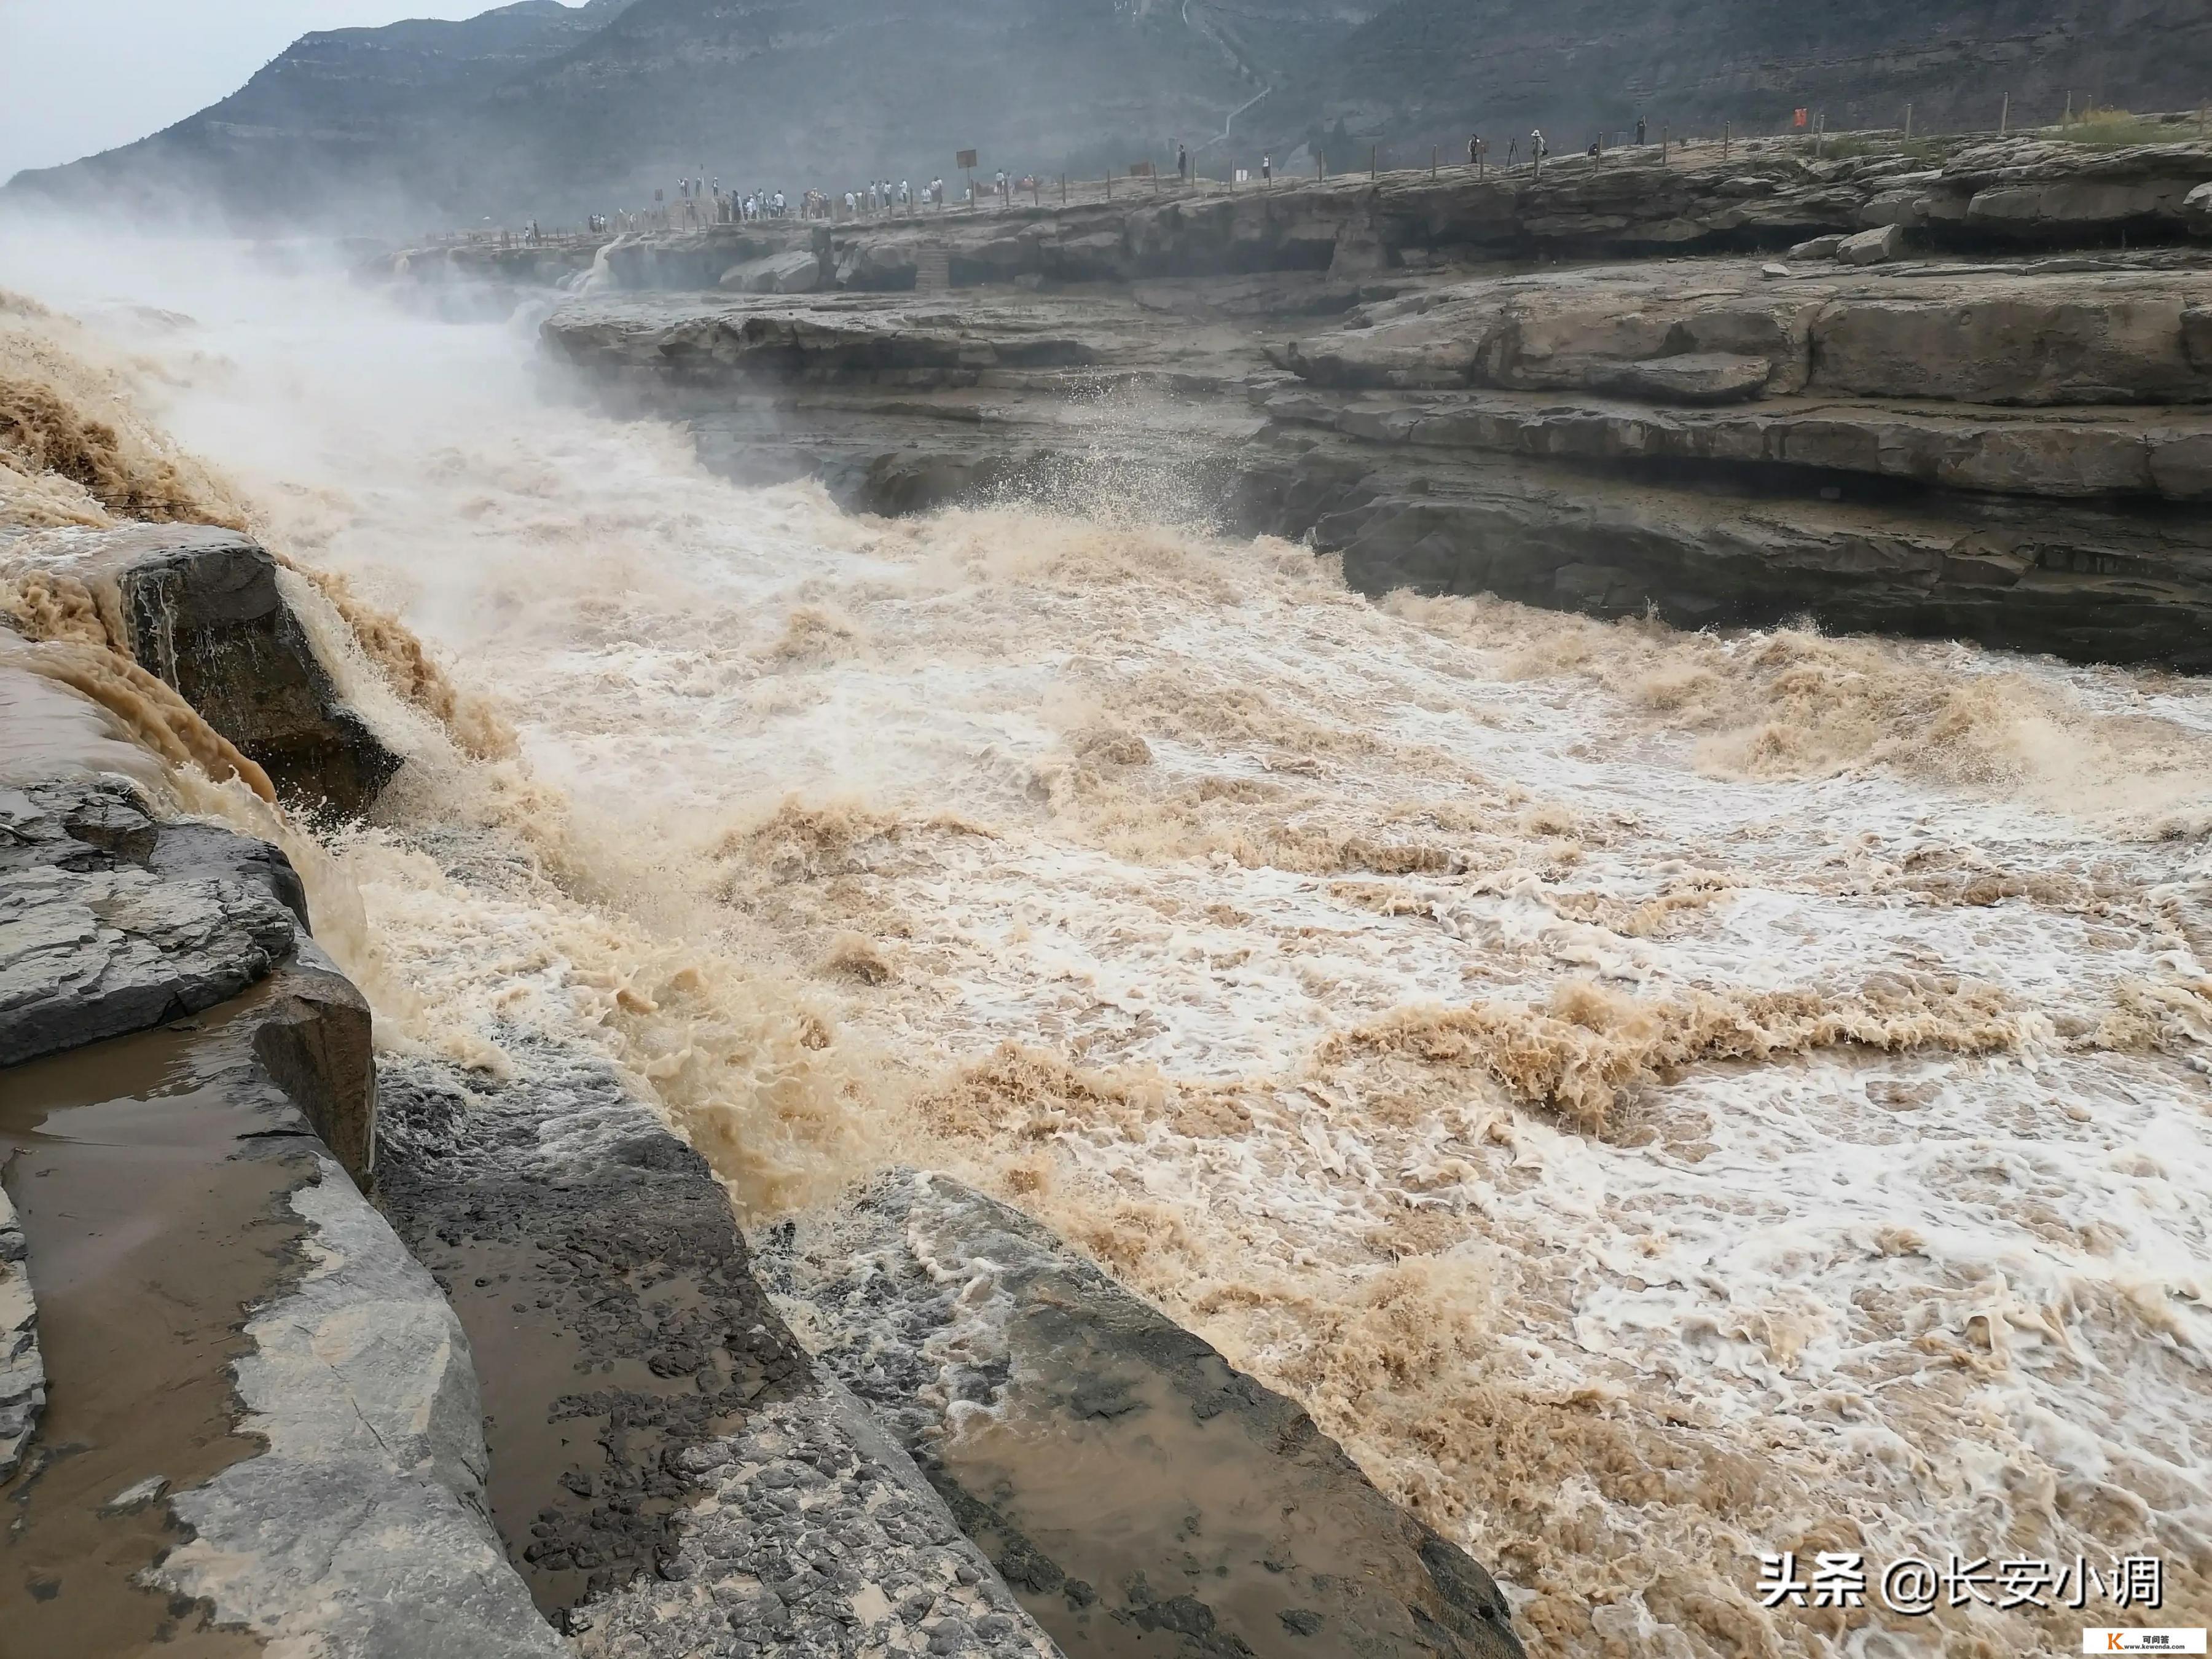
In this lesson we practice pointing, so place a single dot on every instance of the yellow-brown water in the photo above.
(1656, 1098)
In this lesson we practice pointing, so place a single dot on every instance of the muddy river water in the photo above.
(1658, 1099)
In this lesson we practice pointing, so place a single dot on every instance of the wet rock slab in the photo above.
(200, 608)
(671, 1473)
(1143, 1496)
(236, 1412)
(261, 1426)
(97, 938)
(22, 1368)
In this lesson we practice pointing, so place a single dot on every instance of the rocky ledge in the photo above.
(672, 1474)
(255, 1417)
(1950, 195)
(297, 1357)
(203, 609)
(1141, 1493)
(2004, 450)
(1956, 388)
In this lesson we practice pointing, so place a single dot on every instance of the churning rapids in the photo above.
(1656, 1098)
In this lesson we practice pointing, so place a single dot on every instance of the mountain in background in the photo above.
(345, 110)
(539, 110)
(1425, 72)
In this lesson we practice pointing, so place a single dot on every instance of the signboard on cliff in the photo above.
(965, 160)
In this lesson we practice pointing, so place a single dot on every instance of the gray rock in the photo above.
(2006, 337)
(116, 920)
(1902, 209)
(360, 1530)
(797, 272)
(723, 1488)
(1817, 247)
(2181, 466)
(201, 609)
(864, 1559)
(2197, 211)
(2028, 573)
(1872, 247)
(1004, 1362)
(22, 1373)
(95, 942)
(136, 1495)
(1695, 377)
(2109, 453)
(346, 1517)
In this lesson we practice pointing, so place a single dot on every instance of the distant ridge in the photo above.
(537, 110)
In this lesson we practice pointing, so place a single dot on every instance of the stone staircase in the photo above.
(933, 268)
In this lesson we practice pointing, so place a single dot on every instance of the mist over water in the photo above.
(1656, 1098)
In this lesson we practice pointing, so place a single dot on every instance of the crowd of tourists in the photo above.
(699, 200)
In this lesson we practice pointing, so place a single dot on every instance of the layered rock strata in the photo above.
(260, 1421)
(1988, 196)
(200, 608)
(2006, 450)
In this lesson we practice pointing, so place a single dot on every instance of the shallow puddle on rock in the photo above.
(610, 1313)
(148, 1243)
(1129, 1526)
(552, 1411)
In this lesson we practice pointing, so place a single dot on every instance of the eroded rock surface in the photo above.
(672, 1474)
(267, 1409)
(1143, 1495)
(200, 607)
(2003, 451)
(244, 1415)
(105, 930)
(22, 1370)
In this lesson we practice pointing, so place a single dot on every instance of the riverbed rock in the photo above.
(201, 608)
(2114, 452)
(348, 1516)
(796, 272)
(358, 1526)
(190, 1107)
(2090, 333)
(23, 1372)
(1121, 1471)
(1979, 449)
(2084, 581)
(1872, 247)
(96, 941)
(670, 1469)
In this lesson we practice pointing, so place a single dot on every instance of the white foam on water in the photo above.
(814, 813)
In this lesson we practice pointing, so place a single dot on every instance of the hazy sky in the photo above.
(81, 76)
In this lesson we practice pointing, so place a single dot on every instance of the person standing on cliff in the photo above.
(1182, 165)
(1640, 130)
(1267, 169)
(1537, 149)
